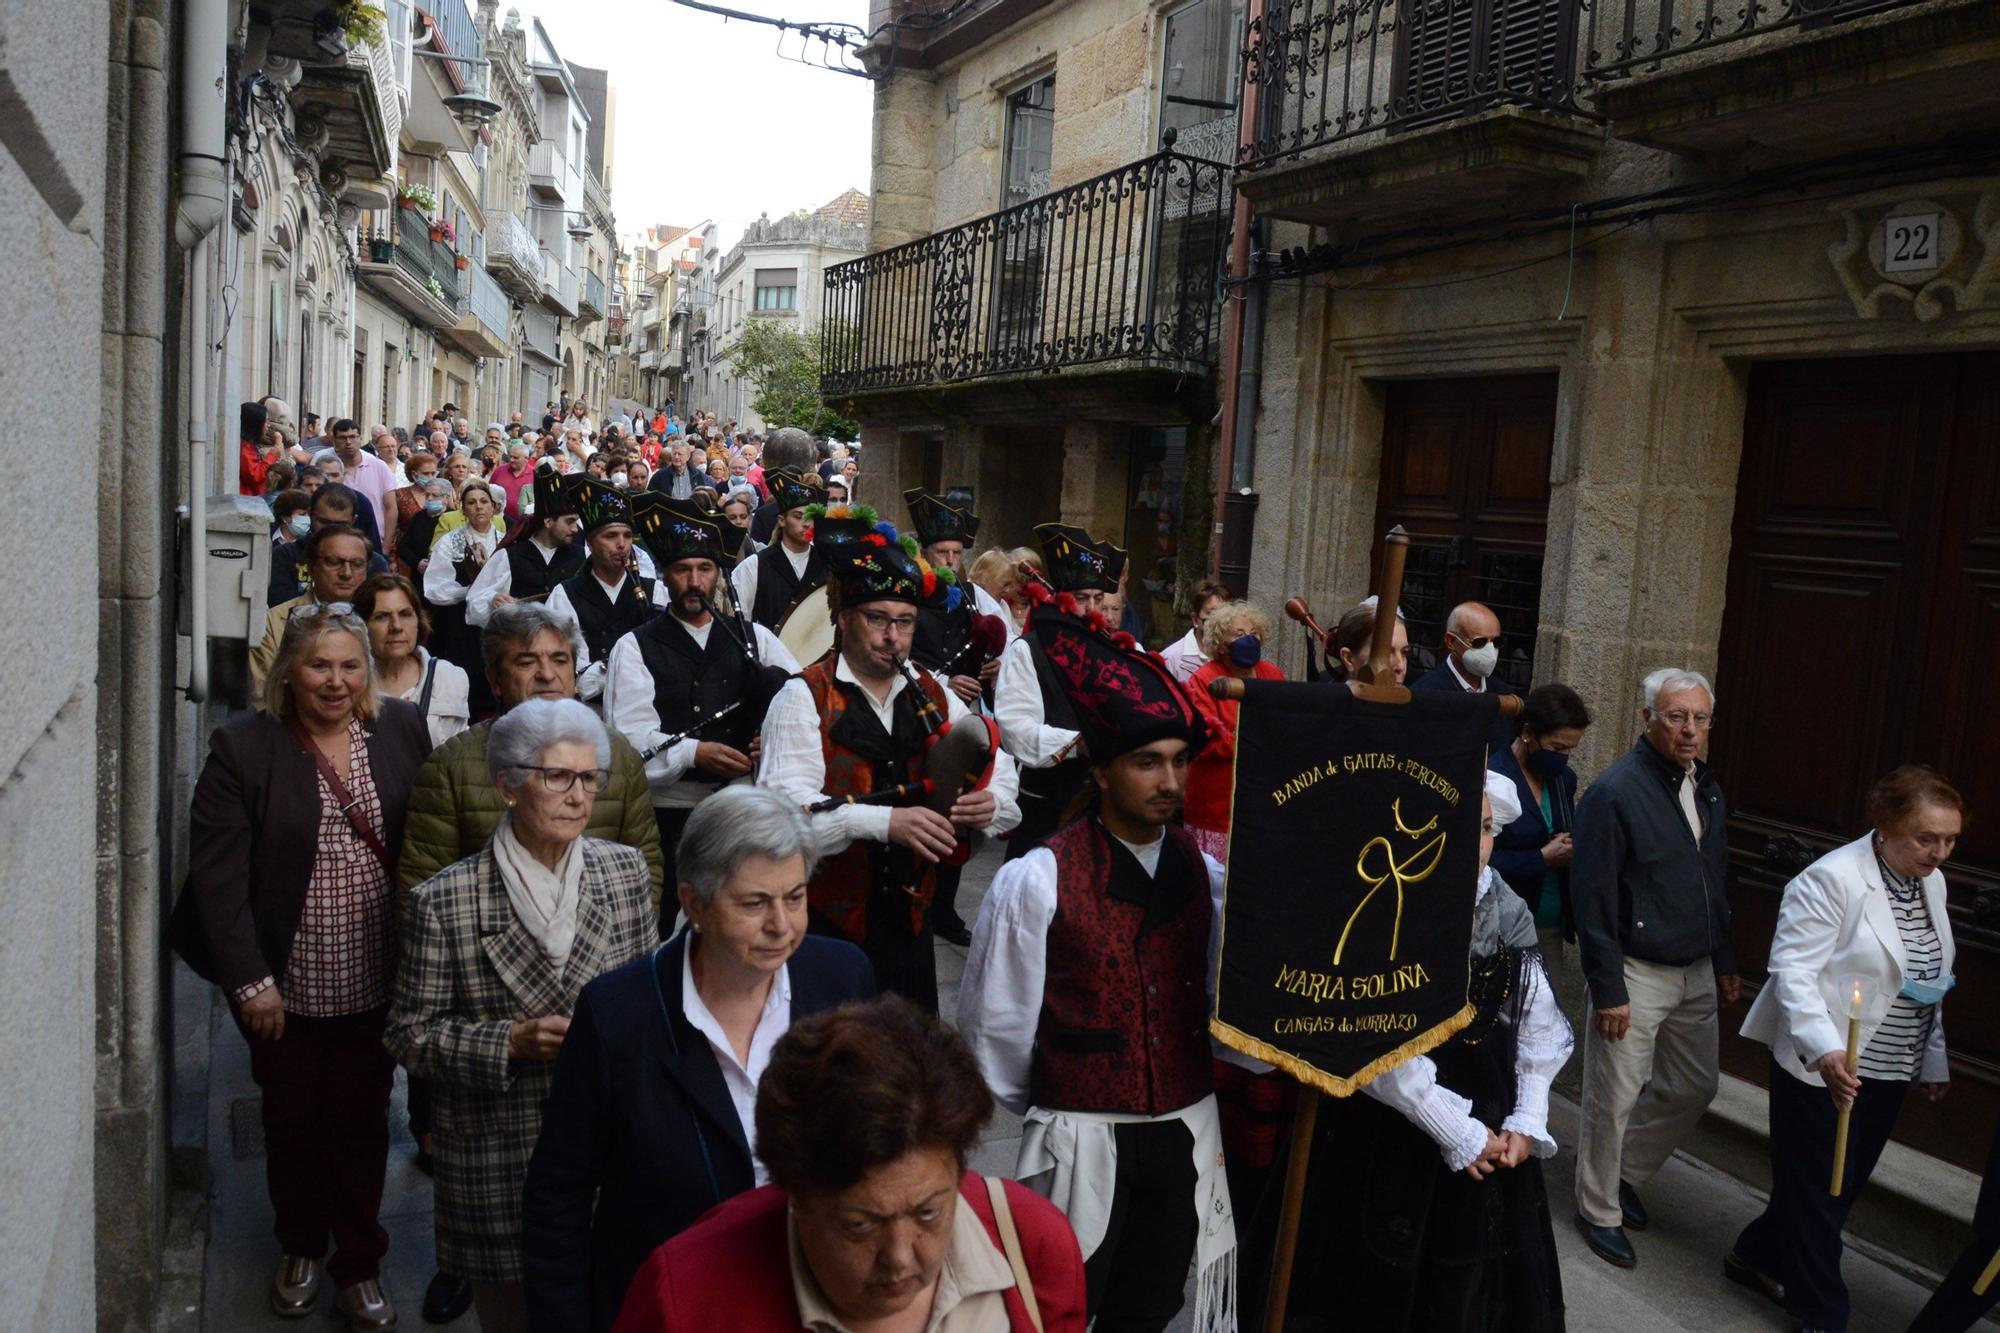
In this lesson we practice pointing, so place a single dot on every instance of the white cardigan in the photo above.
(1836, 922)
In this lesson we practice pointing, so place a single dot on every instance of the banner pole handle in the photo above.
(1304, 1121)
(1388, 596)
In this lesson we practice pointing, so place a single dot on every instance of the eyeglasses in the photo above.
(560, 780)
(881, 620)
(1477, 642)
(344, 566)
(1680, 718)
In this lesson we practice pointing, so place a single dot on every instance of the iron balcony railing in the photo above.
(453, 32)
(1121, 267)
(1330, 70)
(484, 301)
(423, 258)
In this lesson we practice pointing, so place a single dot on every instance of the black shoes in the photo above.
(446, 1298)
(1631, 1211)
(955, 933)
(1744, 1275)
(1608, 1243)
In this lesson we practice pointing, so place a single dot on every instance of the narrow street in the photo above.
(1678, 1284)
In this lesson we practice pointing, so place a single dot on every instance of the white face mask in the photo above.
(1479, 662)
(618, 479)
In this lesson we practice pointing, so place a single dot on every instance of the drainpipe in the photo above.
(198, 209)
(1235, 503)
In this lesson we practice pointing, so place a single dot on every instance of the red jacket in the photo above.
(732, 1269)
(1211, 779)
(251, 468)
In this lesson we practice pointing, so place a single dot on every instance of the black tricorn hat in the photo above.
(791, 489)
(682, 530)
(1076, 561)
(597, 502)
(1123, 696)
(936, 519)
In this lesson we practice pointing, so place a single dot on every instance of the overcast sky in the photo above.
(712, 122)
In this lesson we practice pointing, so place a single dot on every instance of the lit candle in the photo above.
(1853, 1062)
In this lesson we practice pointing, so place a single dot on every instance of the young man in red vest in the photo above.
(1086, 995)
(858, 722)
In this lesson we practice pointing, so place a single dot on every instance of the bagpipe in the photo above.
(765, 680)
(1320, 663)
(958, 757)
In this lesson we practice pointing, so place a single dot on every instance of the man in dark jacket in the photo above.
(1652, 924)
(1471, 653)
(788, 450)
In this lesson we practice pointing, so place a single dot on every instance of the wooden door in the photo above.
(1465, 470)
(1861, 631)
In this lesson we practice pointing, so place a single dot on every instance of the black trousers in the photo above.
(673, 821)
(1039, 819)
(1797, 1237)
(326, 1138)
(944, 907)
(1139, 1272)
(1953, 1308)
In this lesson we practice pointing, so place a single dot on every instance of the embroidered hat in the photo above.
(789, 489)
(936, 519)
(674, 530)
(1076, 561)
(1123, 696)
(598, 503)
(865, 558)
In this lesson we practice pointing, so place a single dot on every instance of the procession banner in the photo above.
(1353, 859)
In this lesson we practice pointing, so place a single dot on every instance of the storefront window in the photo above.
(1153, 531)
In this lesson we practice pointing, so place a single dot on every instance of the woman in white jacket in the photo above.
(1863, 929)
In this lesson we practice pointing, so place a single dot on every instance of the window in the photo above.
(1031, 121)
(1199, 78)
(777, 289)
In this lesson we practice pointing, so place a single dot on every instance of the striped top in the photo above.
(1896, 1050)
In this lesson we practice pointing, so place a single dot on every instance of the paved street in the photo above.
(1677, 1285)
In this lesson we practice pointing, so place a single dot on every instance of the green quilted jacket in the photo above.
(455, 807)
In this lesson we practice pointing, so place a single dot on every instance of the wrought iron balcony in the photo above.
(514, 256)
(485, 317)
(592, 301)
(1122, 268)
(416, 273)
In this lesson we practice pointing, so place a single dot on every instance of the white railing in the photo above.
(484, 300)
(547, 166)
(559, 281)
(377, 62)
(509, 239)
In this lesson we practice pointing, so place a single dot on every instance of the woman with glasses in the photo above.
(298, 818)
(495, 949)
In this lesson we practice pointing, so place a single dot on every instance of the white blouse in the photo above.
(450, 709)
(441, 585)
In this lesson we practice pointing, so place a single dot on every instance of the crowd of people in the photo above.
(615, 777)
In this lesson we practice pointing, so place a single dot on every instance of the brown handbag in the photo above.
(349, 806)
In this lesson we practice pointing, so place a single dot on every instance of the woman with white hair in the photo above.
(495, 949)
(1442, 1220)
(650, 1120)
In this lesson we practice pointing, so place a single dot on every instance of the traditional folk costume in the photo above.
(1086, 1002)
(1394, 1234)
(526, 567)
(1038, 725)
(765, 585)
(826, 739)
(665, 677)
(600, 613)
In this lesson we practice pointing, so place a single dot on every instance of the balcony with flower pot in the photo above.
(413, 268)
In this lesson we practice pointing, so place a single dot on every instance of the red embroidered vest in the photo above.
(1124, 1021)
(845, 884)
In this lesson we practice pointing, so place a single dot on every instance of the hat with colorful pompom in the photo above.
(866, 559)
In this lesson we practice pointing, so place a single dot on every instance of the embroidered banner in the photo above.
(1353, 857)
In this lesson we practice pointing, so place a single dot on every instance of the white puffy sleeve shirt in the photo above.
(1017, 707)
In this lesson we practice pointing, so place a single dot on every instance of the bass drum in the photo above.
(807, 627)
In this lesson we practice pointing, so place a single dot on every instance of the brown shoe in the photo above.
(294, 1287)
(364, 1307)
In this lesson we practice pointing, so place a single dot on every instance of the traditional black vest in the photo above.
(778, 587)
(941, 634)
(1057, 782)
(531, 578)
(602, 620)
(691, 681)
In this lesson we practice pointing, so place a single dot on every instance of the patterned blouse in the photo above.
(343, 957)
(1896, 1050)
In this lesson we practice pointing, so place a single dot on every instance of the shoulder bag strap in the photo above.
(348, 805)
(1010, 1241)
(430, 679)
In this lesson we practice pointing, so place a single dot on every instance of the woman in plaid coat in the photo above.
(494, 951)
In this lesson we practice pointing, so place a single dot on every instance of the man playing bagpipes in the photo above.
(866, 741)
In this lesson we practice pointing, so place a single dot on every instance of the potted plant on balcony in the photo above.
(434, 287)
(415, 197)
(362, 22)
(381, 249)
(461, 262)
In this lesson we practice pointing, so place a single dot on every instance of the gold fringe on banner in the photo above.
(1331, 1084)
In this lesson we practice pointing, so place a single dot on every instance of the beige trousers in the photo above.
(1642, 1094)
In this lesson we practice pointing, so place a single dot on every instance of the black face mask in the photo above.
(1547, 764)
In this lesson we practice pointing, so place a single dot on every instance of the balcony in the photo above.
(650, 359)
(592, 303)
(514, 256)
(539, 335)
(559, 286)
(354, 100)
(414, 273)
(1102, 295)
(452, 32)
(1378, 109)
(552, 176)
(1794, 76)
(485, 317)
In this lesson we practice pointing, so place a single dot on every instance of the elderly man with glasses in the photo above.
(1649, 891)
(1471, 654)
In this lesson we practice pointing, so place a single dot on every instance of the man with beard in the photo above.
(608, 599)
(1085, 997)
(767, 584)
(677, 673)
(856, 724)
